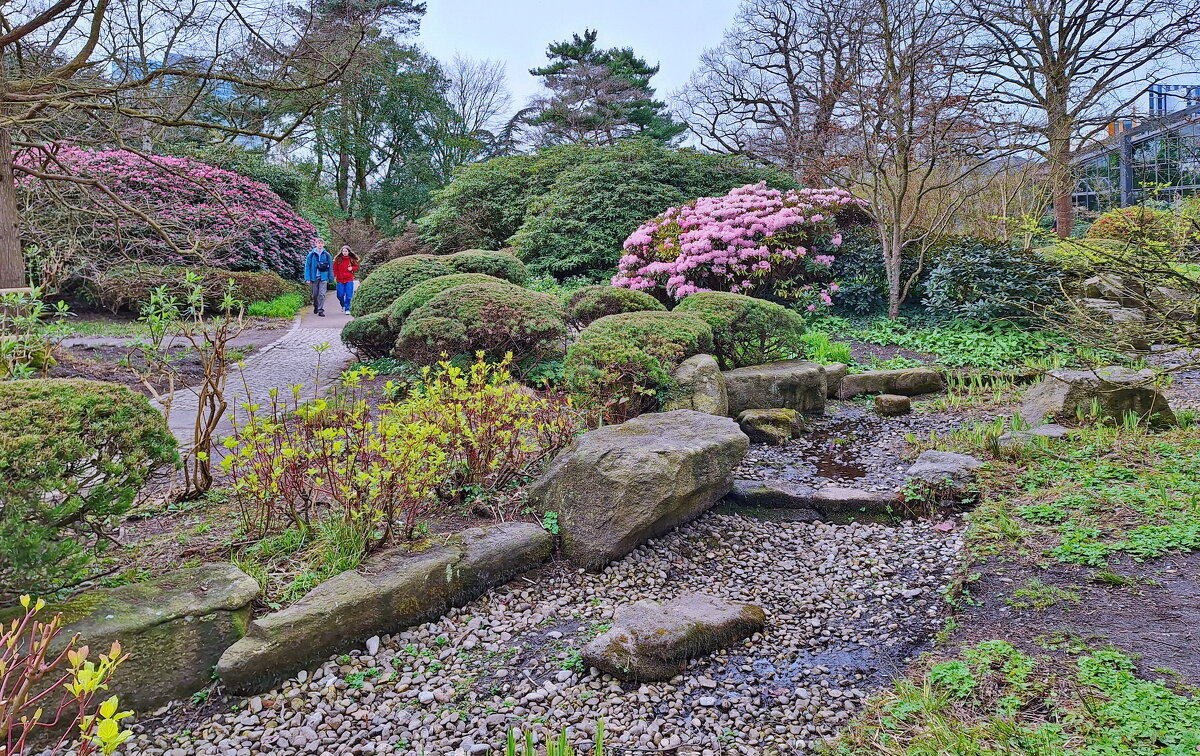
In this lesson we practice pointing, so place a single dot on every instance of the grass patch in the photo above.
(291, 563)
(1037, 595)
(102, 327)
(282, 306)
(995, 699)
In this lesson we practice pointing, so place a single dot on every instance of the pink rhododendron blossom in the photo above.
(754, 240)
(230, 220)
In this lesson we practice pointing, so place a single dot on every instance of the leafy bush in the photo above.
(421, 293)
(754, 240)
(73, 455)
(566, 209)
(820, 347)
(30, 331)
(282, 306)
(233, 221)
(1138, 224)
(965, 343)
(286, 180)
(492, 318)
(986, 280)
(369, 336)
(377, 291)
(501, 265)
(621, 364)
(858, 270)
(586, 305)
(129, 287)
(1080, 256)
(746, 331)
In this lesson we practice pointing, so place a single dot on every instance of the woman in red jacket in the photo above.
(344, 266)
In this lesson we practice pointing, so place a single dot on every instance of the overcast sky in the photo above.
(671, 33)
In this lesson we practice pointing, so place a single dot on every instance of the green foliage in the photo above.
(571, 203)
(1080, 256)
(964, 343)
(502, 265)
(590, 303)
(621, 364)
(820, 347)
(130, 287)
(747, 331)
(858, 270)
(369, 336)
(492, 318)
(73, 455)
(1138, 224)
(292, 562)
(518, 745)
(1038, 596)
(421, 293)
(282, 306)
(30, 330)
(985, 280)
(379, 289)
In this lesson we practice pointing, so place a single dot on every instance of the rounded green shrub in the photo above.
(378, 290)
(591, 303)
(1139, 225)
(988, 280)
(418, 295)
(747, 331)
(369, 336)
(503, 265)
(621, 364)
(493, 318)
(73, 456)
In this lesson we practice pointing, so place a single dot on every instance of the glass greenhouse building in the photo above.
(1161, 155)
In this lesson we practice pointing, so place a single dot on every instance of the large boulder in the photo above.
(700, 386)
(392, 590)
(771, 426)
(652, 641)
(943, 478)
(905, 382)
(1115, 391)
(793, 384)
(616, 487)
(174, 628)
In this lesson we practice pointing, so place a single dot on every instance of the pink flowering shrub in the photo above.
(213, 216)
(755, 241)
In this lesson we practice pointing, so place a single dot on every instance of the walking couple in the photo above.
(320, 269)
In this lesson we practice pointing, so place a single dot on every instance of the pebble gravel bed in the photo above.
(846, 606)
(850, 447)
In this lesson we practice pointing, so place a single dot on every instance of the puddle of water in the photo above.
(834, 455)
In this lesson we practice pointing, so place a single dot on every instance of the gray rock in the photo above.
(834, 373)
(771, 494)
(771, 426)
(391, 590)
(906, 382)
(616, 487)
(1128, 325)
(700, 386)
(836, 500)
(174, 628)
(1041, 434)
(794, 384)
(892, 405)
(653, 641)
(943, 478)
(1117, 391)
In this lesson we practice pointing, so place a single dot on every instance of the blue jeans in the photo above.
(344, 293)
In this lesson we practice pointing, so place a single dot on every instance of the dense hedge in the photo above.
(591, 303)
(387, 282)
(503, 265)
(128, 287)
(566, 210)
(421, 293)
(493, 318)
(987, 280)
(369, 336)
(747, 331)
(73, 455)
(622, 363)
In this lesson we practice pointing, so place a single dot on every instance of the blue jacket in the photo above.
(310, 265)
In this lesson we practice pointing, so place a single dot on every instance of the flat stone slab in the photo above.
(793, 384)
(831, 501)
(834, 373)
(390, 591)
(174, 627)
(652, 641)
(616, 487)
(906, 382)
(1043, 433)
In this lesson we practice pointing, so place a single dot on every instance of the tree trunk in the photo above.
(12, 262)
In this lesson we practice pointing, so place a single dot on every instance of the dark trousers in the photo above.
(318, 294)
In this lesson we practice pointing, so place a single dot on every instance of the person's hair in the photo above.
(346, 248)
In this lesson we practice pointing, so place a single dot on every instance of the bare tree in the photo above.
(772, 89)
(914, 131)
(1066, 68)
(479, 101)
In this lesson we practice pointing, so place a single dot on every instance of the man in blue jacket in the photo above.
(318, 272)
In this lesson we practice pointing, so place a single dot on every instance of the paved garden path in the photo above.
(291, 359)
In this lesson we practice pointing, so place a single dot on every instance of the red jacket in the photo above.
(343, 268)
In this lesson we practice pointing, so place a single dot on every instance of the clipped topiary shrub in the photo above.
(591, 303)
(1138, 224)
(73, 455)
(493, 318)
(421, 293)
(747, 331)
(503, 265)
(988, 280)
(378, 290)
(369, 336)
(621, 364)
